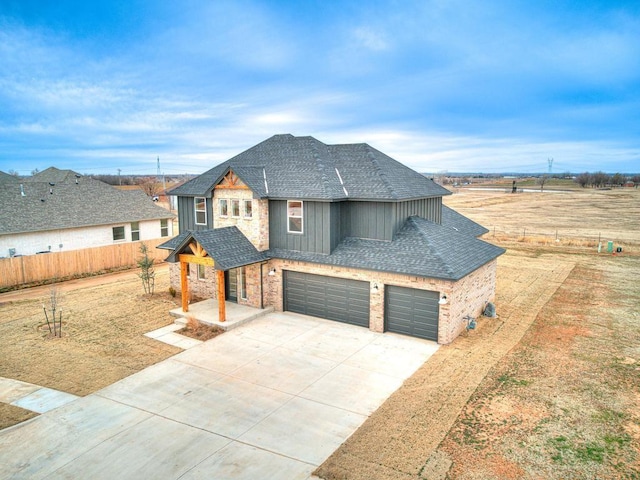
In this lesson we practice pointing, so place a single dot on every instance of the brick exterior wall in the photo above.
(256, 228)
(467, 296)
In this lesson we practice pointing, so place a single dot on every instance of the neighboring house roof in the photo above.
(285, 166)
(421, 248)
(53, 200)
(227, 246)
(7, 178)
(460, 223)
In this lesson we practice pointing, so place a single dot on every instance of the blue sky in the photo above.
(439, 85)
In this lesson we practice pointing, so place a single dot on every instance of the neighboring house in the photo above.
(7, 178)
(342, 232)
(59, 210)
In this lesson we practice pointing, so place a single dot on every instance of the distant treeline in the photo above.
(601, 179)
(137, 179)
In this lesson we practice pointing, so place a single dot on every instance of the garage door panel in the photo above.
(327, 297)
(412, 311)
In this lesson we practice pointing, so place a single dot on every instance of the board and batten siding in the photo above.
(187, 215)
(317, 226)
(370, 220)
(427, 208)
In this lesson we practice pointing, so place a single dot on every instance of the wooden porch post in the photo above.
(222, 315)
(184, 286)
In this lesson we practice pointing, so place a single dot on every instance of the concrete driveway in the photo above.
(269, 399)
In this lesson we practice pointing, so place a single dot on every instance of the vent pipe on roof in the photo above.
(22, 190)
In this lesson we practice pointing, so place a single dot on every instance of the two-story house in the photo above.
(342, 232)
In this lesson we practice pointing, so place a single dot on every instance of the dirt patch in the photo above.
(10, 415)
(102, 337)
(563, 404)
(200, 331)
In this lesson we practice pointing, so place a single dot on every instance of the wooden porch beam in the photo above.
(186, 258)
(184, 285)
(222, 314)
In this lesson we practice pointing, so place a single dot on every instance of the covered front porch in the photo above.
(207, 312)
(226, 251)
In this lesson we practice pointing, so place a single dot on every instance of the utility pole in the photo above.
(119, 179)
(550, 161)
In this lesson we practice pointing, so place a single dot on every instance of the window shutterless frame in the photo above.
(223, 207)
(200, 207)
(295, 214)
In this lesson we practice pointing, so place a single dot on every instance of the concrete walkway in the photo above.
(32, 397)
(269, 399)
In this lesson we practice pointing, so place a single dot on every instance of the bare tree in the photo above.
(150, 186)
(583, 179)
(55, 324)
(542, 180)
(617, 180)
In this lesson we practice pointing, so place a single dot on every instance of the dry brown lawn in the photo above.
(102, 336)
(549, 389)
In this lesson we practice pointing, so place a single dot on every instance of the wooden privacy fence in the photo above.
(37, 268)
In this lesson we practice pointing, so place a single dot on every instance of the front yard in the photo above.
(102, 338)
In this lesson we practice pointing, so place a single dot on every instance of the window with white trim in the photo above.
(201, 272)
(200, 205)
(294, 216)
(164, 227)
(223, 207)
(135, 231)
(248, 208)
(235, 208)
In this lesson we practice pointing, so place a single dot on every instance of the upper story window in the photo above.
(164, 227)
(235, 208)
(200, 204)
(294, 216)
(135, 231)
(248, 209)
(118, 234)
(223, 207)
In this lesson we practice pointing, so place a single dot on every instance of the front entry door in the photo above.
(231, 285)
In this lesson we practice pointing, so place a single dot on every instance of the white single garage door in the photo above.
(412, 312)
(332, 298)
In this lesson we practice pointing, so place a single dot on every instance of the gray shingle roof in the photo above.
(6, 178)
(228, 247)
(421, 248)
(460, 223)
(305, 168)
(87, 203)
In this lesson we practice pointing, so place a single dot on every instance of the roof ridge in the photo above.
(427, 238)
(381, 174)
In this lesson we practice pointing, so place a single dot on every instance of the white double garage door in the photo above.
(408, 311)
